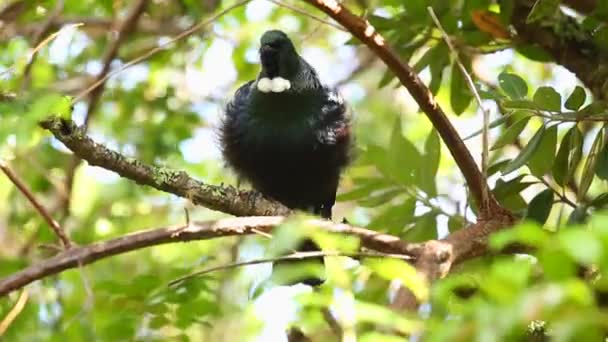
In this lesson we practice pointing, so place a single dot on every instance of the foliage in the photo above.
(548, 164)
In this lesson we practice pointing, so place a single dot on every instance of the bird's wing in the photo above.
(240, 100)
(335, 118)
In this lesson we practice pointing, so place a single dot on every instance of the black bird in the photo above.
(288, 134)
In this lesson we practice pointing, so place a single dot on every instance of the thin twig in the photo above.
(486, 113)
(15, 311)
(187, 216)
(124, 29)
(293, 256)
(333, 323)
(160, 47)
(38, 47)
(37, 205)
(307, 14)
(261, 233)
(42, 31)
(561, 196)
(79, 256)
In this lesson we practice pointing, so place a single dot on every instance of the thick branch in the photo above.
(433, 259)
(570, 47)
(436, 258)
(78, 256)
(223, 198)
(361, 29)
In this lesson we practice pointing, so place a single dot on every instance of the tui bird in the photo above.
(287, 134)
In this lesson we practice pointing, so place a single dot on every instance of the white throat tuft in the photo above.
(275, 85)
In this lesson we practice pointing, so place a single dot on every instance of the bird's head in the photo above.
(278, 55)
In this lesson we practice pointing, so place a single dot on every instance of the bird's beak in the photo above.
(267, 48)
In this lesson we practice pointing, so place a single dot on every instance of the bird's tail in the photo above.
(311, 277)
(308, 245)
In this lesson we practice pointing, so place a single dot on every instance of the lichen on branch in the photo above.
(227, 199)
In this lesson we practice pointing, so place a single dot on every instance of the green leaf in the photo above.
(515, 203)
(540, 206)
(430, 164)
(514, 86)
(548, 99)
(576, 151)
(508, 193)
(556, 264)
(386, 78)
(582, 245)
(378, 156)
(543, 9)
(601, 167)
(600, 201)
(511, 134)
(374, 336)
(392, 269)
(424, 229)
(520, 104)
(596, 108)
(528, 233)
(395, 218)
(120, 327)
(514, 186)
(542, 160)
(437, 65)
(425, 60)
(589, 166)
(565, 161)
(404, 158)
(534, 52)
(497, 166)
(460, 95)
(364, 189)
(158, 321)
(492, 124)
(379, 198)
(506, 10)
(526, 153)
(576, 99)
(50, 104)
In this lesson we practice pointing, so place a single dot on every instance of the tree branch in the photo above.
(38, 38)
(63, 237)
(436, 258)
(223, 198)
(15, 311)
(126, 26)
(570, 47)
(433, 258)
(78, 256)
(94, 27)
(365, 32)
(288, 257)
